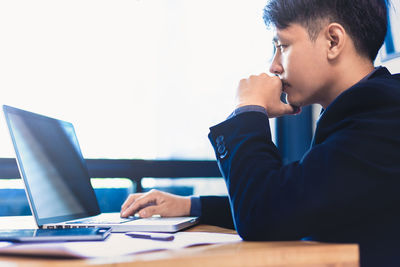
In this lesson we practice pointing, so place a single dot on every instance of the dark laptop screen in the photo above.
(52, 166)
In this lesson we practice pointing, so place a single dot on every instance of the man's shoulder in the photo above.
(384, 78)
(375, 91)
(383, 88)
(377, 95)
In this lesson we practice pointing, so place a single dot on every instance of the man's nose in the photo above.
(276, 67)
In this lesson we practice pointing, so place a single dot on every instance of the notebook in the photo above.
(57, 181)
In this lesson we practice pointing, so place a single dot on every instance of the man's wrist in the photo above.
(195, 206)
(248, 108)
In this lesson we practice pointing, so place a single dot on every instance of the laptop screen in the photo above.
(52, 167)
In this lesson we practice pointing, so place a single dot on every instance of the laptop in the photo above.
(57, 181)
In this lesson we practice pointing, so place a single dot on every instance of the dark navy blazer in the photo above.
(345, 189)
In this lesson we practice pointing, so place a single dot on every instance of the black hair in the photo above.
(364, 20)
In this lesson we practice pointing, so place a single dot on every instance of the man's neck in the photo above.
(345, 77)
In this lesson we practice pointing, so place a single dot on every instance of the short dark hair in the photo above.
(364, 20)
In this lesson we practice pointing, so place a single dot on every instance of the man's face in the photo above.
(302, 65)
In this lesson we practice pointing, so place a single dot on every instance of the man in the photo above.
(345, 188)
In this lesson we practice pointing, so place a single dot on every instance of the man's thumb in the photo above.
(290, 109)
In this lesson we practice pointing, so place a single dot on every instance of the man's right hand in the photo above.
(265, 91)
(156, 202)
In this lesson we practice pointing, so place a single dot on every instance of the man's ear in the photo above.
(336, 37)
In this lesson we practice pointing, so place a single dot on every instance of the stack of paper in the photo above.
(116, 245)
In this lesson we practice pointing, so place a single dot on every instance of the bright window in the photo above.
(391, 47)
(138, 78)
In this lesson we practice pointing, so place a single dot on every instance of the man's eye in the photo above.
(281, 47)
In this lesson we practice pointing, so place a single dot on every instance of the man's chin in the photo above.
(297, 110)
(295, 104)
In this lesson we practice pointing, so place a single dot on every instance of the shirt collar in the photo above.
(369, 75)
(376, 69)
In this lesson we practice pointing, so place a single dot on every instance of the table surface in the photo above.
(294, 253)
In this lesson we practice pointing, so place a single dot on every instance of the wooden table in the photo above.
(296, 253)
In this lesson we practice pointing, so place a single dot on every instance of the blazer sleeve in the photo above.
(331, 187)
(215, 210)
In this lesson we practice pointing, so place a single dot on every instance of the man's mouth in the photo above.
(285, 85)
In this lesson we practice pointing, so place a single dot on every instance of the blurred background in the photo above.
(140, 79)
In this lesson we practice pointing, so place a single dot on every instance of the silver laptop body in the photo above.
(57, 181)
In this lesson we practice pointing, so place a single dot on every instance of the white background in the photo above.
(139, 79)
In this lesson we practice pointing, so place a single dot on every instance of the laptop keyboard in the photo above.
(100, 220)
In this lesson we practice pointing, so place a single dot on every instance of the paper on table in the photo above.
(117, 245)
(5, 244)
